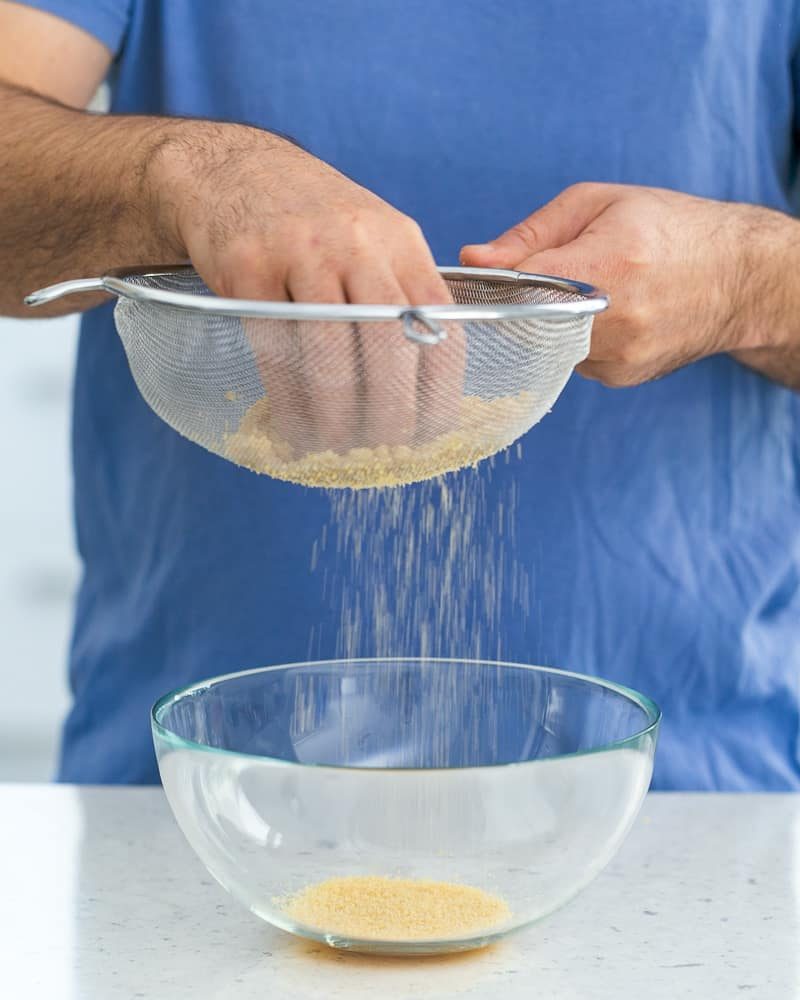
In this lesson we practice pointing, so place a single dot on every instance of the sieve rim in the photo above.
(117, 282)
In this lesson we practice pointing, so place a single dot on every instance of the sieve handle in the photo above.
(53, 292)
(413, 320)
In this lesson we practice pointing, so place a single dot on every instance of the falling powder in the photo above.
(429, 571)
(389, 909)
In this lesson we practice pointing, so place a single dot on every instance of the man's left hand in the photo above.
(687, 276)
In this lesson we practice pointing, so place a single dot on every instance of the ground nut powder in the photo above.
(486, 426)
(395, 909)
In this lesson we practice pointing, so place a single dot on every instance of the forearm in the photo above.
(782, 365)
(76, 196)
(769, 311)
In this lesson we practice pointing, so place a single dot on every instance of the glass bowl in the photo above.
(405, 806)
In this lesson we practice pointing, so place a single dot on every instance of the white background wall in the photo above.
(38, 566)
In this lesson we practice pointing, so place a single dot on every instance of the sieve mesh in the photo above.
(339, 403)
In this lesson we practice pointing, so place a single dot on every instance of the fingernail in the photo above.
(475, 248)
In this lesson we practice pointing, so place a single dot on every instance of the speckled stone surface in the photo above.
(100, 898)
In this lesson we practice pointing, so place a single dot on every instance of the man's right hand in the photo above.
(258, 217)
(262, 219)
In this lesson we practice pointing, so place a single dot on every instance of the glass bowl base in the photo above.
(410, 948)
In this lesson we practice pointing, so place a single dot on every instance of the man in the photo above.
(660, 524)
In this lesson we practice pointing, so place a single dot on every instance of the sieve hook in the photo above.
(412, 318)
(46, 295)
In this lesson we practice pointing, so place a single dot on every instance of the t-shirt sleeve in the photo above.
(107, 20)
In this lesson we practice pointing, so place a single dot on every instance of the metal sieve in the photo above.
(350, 395)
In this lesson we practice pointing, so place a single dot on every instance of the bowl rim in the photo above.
(651, 709)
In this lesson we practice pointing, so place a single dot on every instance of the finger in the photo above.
(264, 287)
(238, 271)
(422, 284)
(276, 347)
(328, 375)
(276, 350)
(440, 383)
(241, 272)
(440, 374)
(558, 222)
(388, 360)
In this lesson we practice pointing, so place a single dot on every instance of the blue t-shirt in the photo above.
(658, 527)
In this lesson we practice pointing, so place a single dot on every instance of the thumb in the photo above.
(558, 222)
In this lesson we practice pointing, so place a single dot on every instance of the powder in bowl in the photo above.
(381, 908)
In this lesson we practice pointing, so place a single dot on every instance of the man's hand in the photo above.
(81, 194)
(688, 277)
(262, 219)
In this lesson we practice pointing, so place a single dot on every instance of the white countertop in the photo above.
(100, 898)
